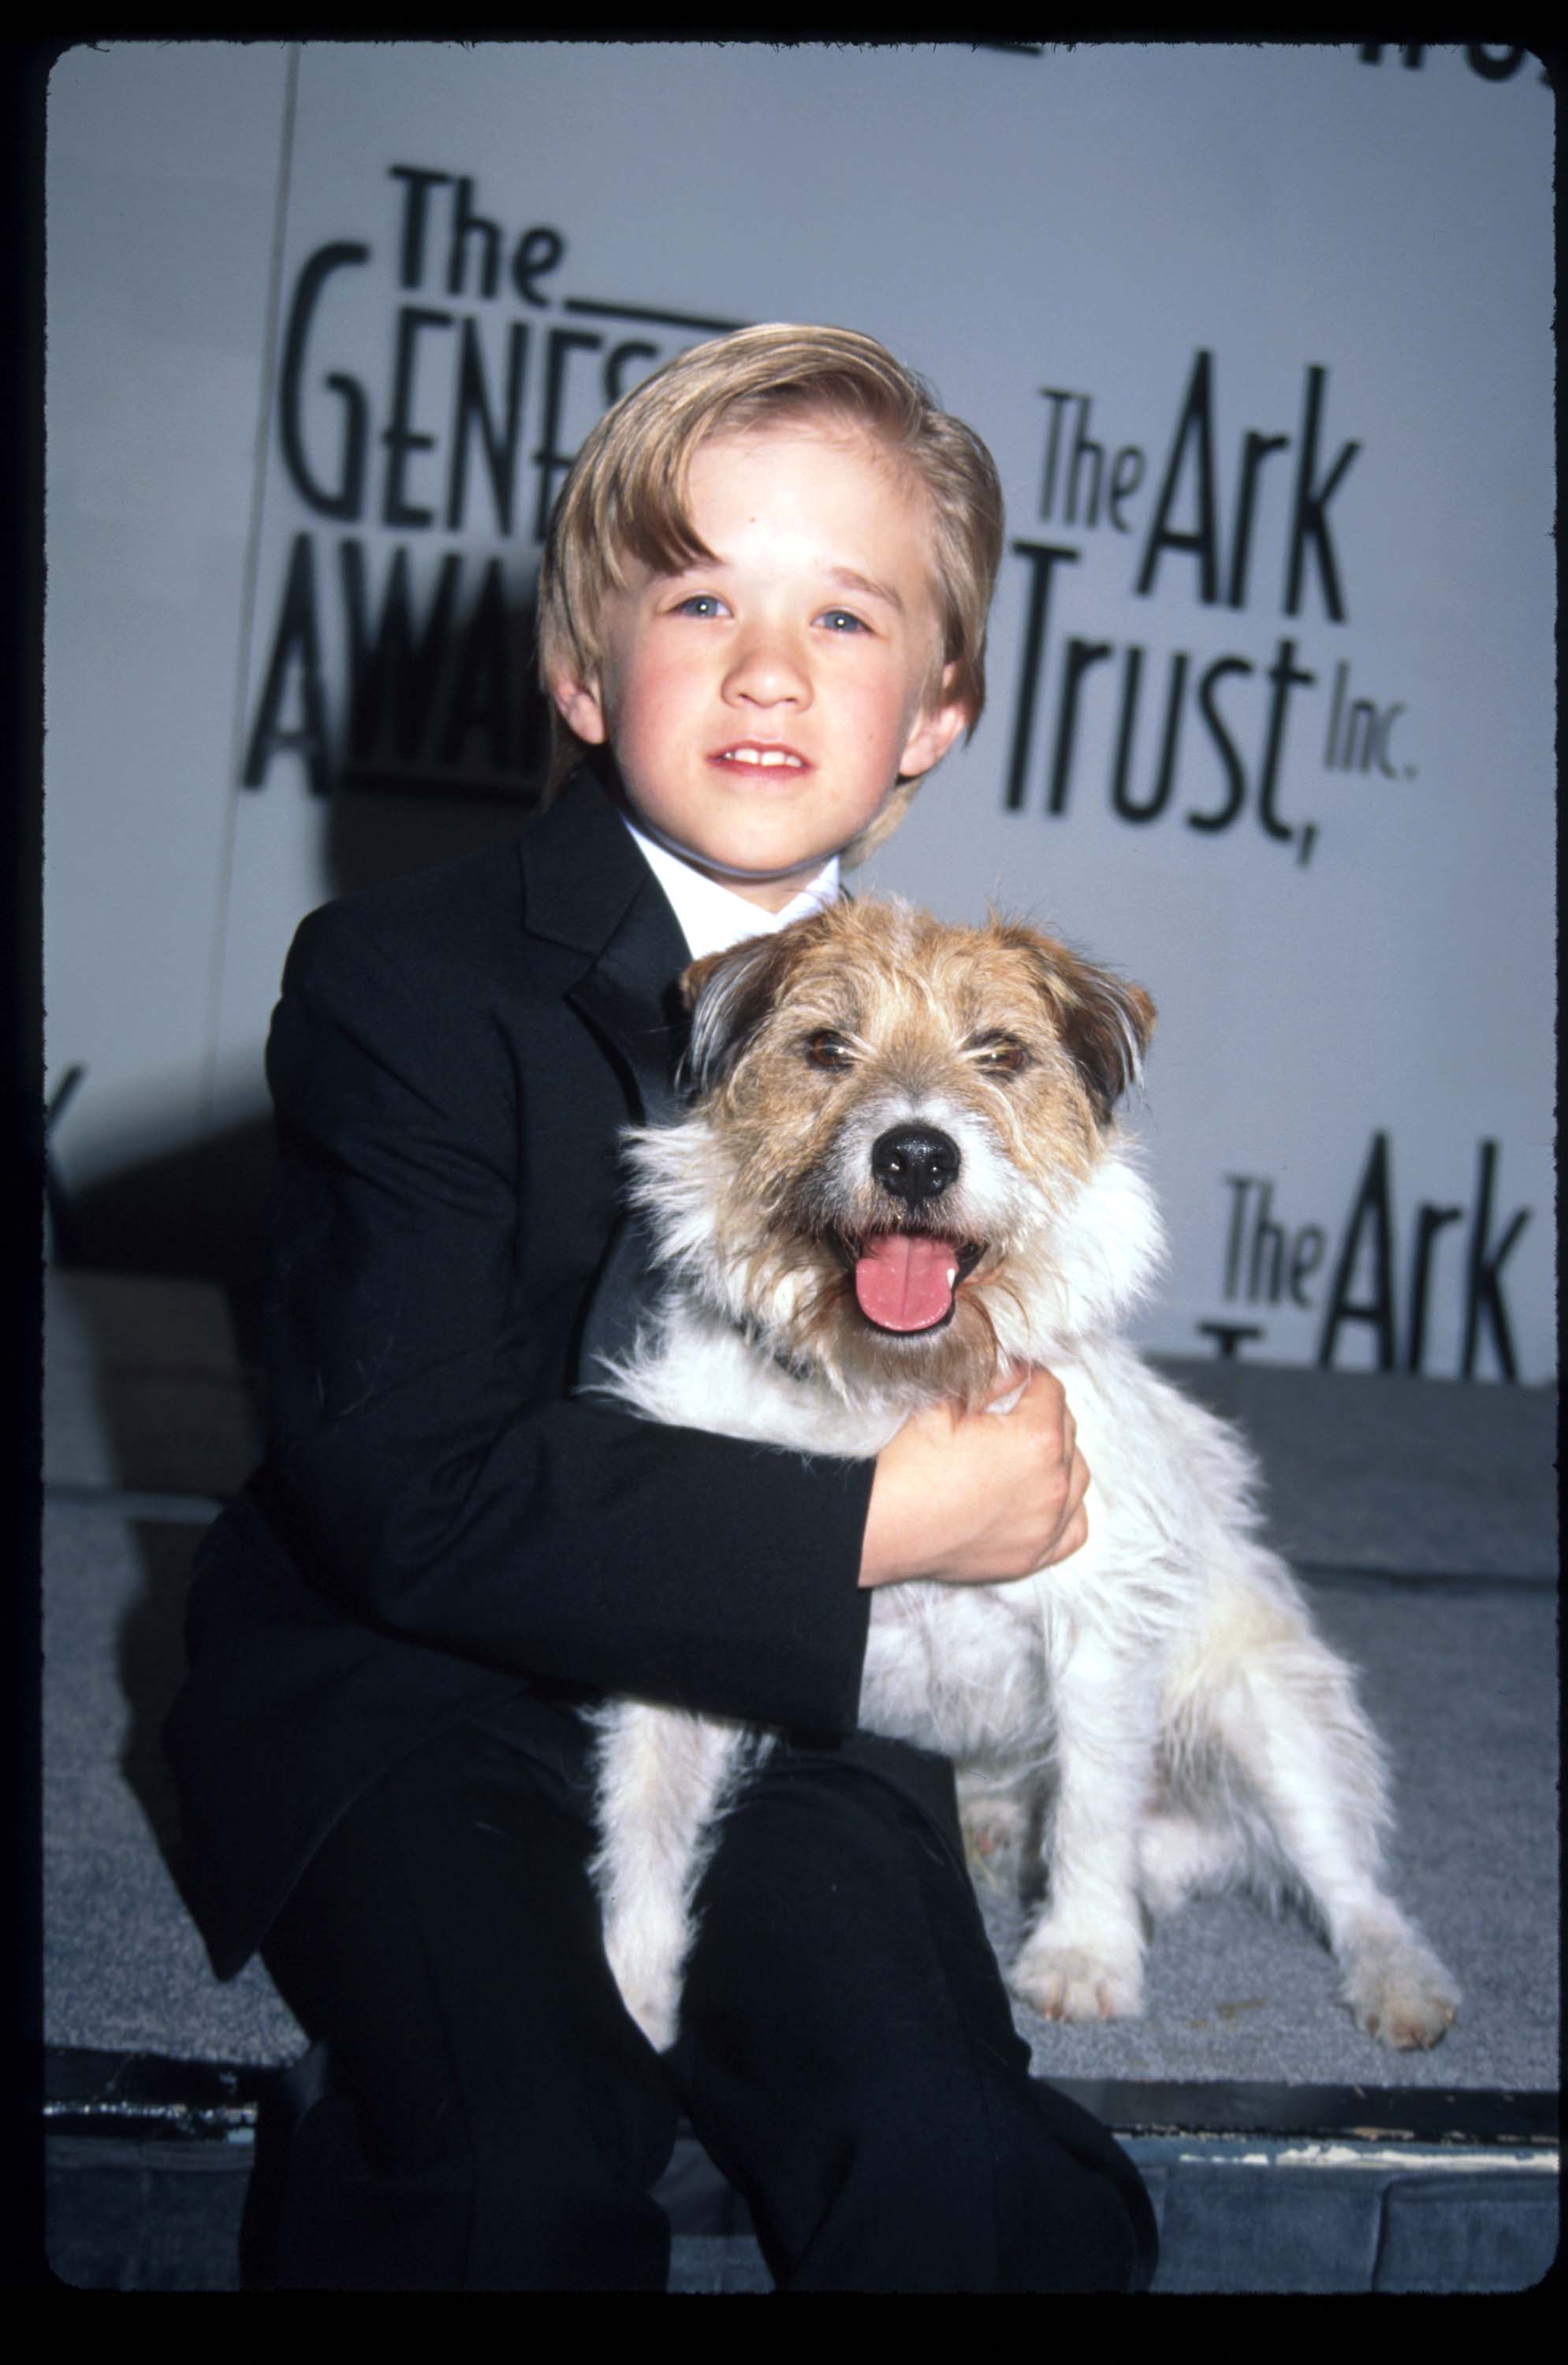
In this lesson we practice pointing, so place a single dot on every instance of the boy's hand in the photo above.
(977, 1498)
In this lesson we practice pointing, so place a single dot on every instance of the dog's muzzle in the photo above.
(906, 1278)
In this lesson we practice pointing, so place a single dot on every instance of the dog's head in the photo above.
(897, 1132)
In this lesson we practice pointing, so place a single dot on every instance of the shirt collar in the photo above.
(713, 917)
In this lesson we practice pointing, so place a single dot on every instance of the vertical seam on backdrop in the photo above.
(248, 594)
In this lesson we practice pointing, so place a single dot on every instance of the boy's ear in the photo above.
(582, 708)
(936, 727)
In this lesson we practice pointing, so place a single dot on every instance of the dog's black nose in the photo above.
(915, 1163)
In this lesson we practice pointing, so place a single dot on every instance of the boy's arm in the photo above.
(433, 1486)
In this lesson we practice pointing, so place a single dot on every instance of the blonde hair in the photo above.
(625, 495)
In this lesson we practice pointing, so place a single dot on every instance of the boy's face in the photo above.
(761, 708)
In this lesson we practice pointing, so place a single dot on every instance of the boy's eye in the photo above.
(843, 619)
(703, 604)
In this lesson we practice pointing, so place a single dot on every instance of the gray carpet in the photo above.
(1446, 1492)
(1378, 1471)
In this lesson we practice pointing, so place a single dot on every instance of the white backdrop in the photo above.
(1260, 339)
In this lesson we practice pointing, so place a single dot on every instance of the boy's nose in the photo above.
(768, 670)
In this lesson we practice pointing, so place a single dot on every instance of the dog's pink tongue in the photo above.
(904, 1280)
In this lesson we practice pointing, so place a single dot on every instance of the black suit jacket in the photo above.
(440, 1523)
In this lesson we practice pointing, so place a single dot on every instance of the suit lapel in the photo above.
(619, 998)
(586, 888)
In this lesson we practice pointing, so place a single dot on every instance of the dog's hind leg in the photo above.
(994, 1819)
(663, 1778)
(1287, 1712)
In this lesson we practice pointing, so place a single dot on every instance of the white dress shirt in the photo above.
(713, 917)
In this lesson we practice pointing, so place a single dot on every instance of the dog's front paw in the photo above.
(1072, 1983)
(1400, 1993)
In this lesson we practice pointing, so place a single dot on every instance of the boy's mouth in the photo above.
(760, 755)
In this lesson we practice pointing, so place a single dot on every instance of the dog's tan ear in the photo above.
(729, 994)
(1104, 1021)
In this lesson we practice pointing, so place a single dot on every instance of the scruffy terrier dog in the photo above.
(899, 1177)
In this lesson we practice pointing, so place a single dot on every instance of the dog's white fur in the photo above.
(1158, 1708)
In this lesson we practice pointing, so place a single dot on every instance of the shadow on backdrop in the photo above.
(443, 749)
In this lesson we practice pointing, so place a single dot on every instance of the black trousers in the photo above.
(847, 2054)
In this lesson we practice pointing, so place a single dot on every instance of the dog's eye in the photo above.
(999, 1055)
(826, 1049)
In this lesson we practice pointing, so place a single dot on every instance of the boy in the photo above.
(762, 620)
